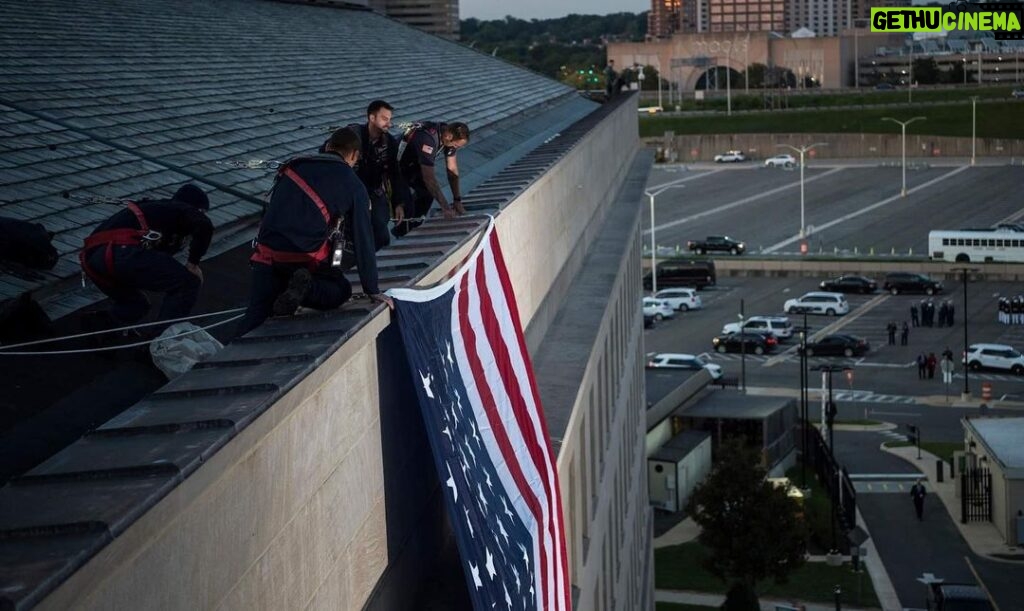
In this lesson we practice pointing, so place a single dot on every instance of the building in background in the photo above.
(746, 15)
(665, 17)
(438, 17)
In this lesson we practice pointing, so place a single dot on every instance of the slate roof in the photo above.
(131, 99)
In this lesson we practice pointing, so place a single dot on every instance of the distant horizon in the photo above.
(547, 9)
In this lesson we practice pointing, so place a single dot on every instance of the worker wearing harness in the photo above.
(301, 240)
(424, 142)
(133, 251)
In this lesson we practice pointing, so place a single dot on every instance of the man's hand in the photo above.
(457, 204)
(448, 213)
(382, 298)
(399, 213)
(192, 267)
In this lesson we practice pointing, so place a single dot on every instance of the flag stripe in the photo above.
(496, 310)
(507, 380)
(490, 408)
(524, 354)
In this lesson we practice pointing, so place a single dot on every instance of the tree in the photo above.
(750, 527)
(927, 71)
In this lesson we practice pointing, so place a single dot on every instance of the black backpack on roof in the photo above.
(29, 244)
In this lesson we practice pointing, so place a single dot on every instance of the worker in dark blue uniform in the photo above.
(301, 243)
(424, 142)
(133, 251)
(378, 169)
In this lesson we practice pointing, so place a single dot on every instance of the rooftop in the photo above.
(730, 406)
(1002, 436)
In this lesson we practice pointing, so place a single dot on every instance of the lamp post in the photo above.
(802, 150)
(654, 249)
(830, 418)
(910, 74)
(974, 123)
(743, 350)
(903, 128)
(967, 386)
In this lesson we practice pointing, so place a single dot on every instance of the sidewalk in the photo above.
(982, 537)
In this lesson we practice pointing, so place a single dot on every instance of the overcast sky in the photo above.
(544, 9)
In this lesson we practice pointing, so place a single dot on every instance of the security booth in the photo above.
(767, 422)
(990, 477)
(675, 469)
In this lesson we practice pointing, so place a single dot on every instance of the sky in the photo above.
(545, 9)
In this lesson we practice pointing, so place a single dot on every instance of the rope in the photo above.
(128, 328)
(120, 346)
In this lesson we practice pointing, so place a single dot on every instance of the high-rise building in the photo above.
(746, 15)
(823, 17)
(439, 17)
(664, 20)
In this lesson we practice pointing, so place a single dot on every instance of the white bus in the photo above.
(977, 246)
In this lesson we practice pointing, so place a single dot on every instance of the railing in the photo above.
(976, 495)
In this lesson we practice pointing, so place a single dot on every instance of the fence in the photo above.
(834, 477)
(975, 495)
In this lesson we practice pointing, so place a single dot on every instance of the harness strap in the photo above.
(310, 193)
(265, 254)
(123, 236)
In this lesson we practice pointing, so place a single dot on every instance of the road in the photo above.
(859, 208)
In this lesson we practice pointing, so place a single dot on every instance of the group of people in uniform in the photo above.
(326, 211)
(1011, 310)
(923, 314)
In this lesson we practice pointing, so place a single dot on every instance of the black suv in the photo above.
(674, 274)
(906, 282)
(957, 597)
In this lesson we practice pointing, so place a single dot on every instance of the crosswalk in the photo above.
(882, 487)
(866, 396)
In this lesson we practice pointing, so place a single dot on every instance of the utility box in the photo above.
(675, 469)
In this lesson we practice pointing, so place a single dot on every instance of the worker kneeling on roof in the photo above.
(133, 251)
(301, 239)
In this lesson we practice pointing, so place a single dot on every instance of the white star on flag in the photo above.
(490, 564)
(469, 523)
(426, 384)
(476, 575)
(451, 484)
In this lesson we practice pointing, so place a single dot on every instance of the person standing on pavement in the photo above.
(917, 492)
(891, 329)
(914, 320)
(922, 362)
(905, 334)
(932, 362)
(949, 312)
(947, 367)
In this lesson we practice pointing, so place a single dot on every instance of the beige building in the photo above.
(439, 17)
(746, 15)
(994, 444)
(687, 58)
(664, 18)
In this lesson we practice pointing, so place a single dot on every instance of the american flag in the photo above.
(490, 442)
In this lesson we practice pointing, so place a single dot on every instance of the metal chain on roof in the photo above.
(93, 199)
(252, 164)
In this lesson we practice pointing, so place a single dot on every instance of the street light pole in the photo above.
(654, 249)
(974, 118)
(967, 369)
(903, 129)
(802, 150)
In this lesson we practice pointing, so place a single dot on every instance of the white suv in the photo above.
(669, 360)
(995, 356)
(780, 161)
(818, 303)
(779, 326)
(657, 309)
(680, 299)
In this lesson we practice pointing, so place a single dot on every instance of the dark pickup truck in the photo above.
(717, 242)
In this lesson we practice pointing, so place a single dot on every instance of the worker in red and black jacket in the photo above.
(133, 251)
(300, 244)
(424, 143)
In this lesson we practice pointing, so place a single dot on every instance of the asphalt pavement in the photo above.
(859, 208)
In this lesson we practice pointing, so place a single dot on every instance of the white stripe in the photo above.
(518, 446)
(502, 310)
(429, 294)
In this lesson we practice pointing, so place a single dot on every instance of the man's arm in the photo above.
(430, 181)
(452, 167)
(401, 199)
(362, 235)
(201, 230)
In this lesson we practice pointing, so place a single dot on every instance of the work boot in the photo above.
(289, 301)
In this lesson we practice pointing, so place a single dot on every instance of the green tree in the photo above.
(751, 528)
(926, 71)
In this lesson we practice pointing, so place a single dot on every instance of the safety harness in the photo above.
(122, 236)
(269, 256)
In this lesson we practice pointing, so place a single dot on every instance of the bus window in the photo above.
(999, 243)
(977, 242)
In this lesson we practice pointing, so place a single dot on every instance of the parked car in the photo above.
(676, 273)
(780, 161)
(907, 282)
(754, 343)
(849, 284)
(779, 326)
(957, 597)
(730, 157)
(657, 308)
(994, 356)
(1018, 94)
(838, 345)
(680, 299)
(721, 243)
(884, 87)
(648, 320)
(669, 360)
(815, 302)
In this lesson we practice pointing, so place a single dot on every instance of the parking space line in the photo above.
(739, 202)
(866, 209)
(682, 180)
(832, 328)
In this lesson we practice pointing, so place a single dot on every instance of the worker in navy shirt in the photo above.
(300, 242)
(378, 169)
(425, 142)
(133, 251)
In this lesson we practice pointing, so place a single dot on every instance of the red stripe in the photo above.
(497, 426)
(514, 392)
(555, 498)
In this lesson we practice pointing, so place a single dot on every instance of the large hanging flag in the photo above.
(490, 442)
